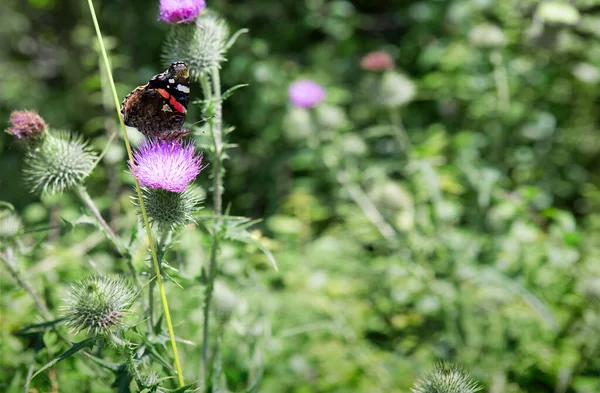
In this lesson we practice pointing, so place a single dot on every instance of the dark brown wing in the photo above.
(149, 112)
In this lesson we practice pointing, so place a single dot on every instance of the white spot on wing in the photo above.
(171, 80)
(167, 108)
(183, 88)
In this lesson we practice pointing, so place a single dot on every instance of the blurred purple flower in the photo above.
(306, 93)
(180, 11)
(26, 124)
(170, 165)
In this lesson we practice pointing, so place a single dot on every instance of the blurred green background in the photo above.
(493, 261)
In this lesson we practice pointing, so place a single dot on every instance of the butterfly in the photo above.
(158, 108)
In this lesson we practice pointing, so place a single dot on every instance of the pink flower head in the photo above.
(180, 11)
(306, 93)
(170, 165)
(377, 61)
(26, 124)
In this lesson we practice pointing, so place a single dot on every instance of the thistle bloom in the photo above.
(26, 124)
(377, 61)
(306, 93)
(180, 11)
(168, 165)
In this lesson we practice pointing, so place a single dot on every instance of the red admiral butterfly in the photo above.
(158, 108)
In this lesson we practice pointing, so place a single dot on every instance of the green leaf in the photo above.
(38, 327)
(234, 38)
(82, 220)
(253, 387)
(122, 380)
(248, 239)
(76, 347)
(231, 90)
(217, 377)
(181, 389)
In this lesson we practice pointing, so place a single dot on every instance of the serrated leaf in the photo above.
(75, 347)
(38, 327)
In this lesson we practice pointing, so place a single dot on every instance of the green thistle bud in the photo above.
(487, 35)
(10, 223)
(396, 89)
(169, 210)
(557, 12)
(446, 378)
(201, 44)
(61, 161)
(225, 301)
(98, 304)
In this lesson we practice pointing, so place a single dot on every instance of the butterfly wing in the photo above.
(158, 108)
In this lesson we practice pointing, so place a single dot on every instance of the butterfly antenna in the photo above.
(203, 120)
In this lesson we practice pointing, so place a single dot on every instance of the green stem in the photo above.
(399, 131)
(216, 126)
(368, 207)
(9, 262)
(159, 279)
(501, 80)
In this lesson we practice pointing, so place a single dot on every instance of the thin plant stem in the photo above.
(501, 79)
(216, 126)
(9, 262)
(85, 198)
(159, 279)
(161, 252)
(399, 131)
(368, 207)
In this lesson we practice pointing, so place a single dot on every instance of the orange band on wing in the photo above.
(178, 107)
(163, 93)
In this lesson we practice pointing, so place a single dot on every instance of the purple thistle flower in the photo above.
(26, 124)
(180, 11)
(306, 93)
(170, 165)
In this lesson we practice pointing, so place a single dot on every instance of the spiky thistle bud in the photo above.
(26, 125)
(98, 304)
(61, 161)
(201, 45)
(168, 210)
(446, 378)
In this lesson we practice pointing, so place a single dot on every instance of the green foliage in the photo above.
(446, 209)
